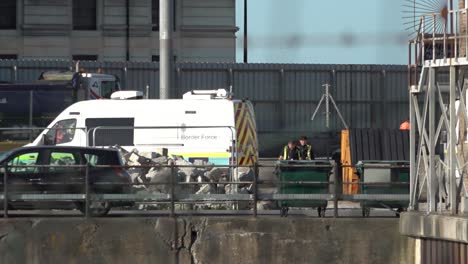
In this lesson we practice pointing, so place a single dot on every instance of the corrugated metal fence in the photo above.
(443, 251)
(284, 95)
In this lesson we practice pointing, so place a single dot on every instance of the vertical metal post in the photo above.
(147, 91)
(5, 191)
(327, 105)
(451, 17)
(255, 189)
(466, 33)
(173, 175)
(335, 189)
(282, 103)
(383, 100)
(31, 111)
(445, 40)
(230, 80)
(457, 18)
(127, 30)
(77, 66)
(413, 177)
(87, 191)
(432, 124)
(126, 76)
(245, 32)
(434, 38)
(452, 137)
(165, 48)
(178, 81)
(15, 73)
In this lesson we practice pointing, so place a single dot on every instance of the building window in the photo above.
(8, 57)
(85, 57)
(8, 14)
(84, 14)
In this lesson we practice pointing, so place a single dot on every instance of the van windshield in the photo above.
(62, 132)
(107, 88)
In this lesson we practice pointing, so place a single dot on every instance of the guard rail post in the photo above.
(87, 191)
(5, 191)
(335, 189)
(255, 189)
(173, 175)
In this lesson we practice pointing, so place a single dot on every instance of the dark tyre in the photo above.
(95, 208)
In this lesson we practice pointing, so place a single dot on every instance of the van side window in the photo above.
(110, 131)
(62, 132)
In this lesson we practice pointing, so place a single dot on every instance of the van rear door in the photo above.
(246, 133)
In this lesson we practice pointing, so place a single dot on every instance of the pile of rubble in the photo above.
(155, 175)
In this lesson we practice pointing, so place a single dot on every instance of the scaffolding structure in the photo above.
(438, 116)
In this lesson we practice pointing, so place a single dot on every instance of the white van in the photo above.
(204, 125)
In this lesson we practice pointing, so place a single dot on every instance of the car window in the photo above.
(19, 163)
(102, 158)
(62, 160)
(4, 155)
(91, 159)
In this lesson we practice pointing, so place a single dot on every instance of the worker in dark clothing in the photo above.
(305, 149)
(290, 152)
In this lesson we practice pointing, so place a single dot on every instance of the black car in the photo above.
(65, 175)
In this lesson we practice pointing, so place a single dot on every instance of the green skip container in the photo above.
(374, 176)
(311, 171)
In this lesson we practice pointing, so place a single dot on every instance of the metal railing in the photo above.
(435, 41)
(177, 192)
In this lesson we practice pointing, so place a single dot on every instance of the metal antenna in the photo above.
(328, 97)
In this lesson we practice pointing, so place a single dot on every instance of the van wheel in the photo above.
(95, 208)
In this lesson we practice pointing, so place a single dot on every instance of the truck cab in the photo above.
(88, 85)
(36, 103)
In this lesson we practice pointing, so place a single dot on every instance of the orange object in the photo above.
(349, 171)
(405, 126)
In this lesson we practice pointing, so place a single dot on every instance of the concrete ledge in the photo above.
(227, 240)
(442, 227)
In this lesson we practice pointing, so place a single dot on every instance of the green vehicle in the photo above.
(384, 178)
(293, 175)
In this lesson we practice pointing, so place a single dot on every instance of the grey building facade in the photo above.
(204, 30)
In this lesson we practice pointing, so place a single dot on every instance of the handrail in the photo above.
(380, 192)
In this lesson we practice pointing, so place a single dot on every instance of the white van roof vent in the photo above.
(126, 95)
(207, 94)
